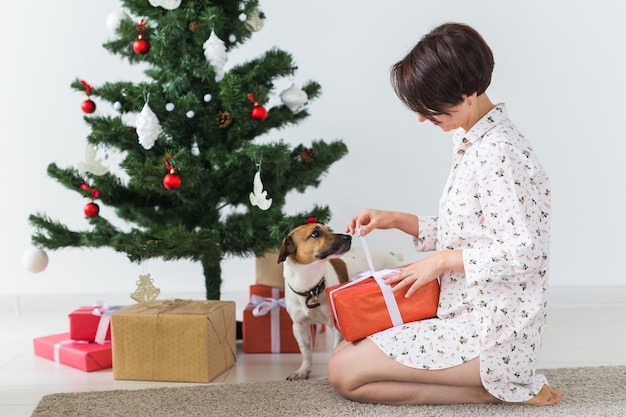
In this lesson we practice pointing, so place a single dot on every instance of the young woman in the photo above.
(490, 249)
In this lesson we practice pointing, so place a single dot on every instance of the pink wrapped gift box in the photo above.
(77, 354)
(92, 323)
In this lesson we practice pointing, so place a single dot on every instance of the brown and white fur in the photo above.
(312, 253)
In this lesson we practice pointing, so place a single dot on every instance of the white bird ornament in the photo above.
(258, 197)
(91, 163)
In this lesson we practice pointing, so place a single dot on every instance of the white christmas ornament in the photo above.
(166, 4)
(35, 260)
(148, 127)
(195, 150)
(91, 163)
(293, 97)
(254, 23)
(114, 18)
(169, 107)
(258, 197)
(215, 53)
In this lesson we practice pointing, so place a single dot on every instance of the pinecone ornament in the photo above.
(224, 119)
(308, 155)
(194, 26)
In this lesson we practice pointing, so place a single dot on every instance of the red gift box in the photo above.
(367, 305)
(92, 323)
(266, 326)
(75, 353)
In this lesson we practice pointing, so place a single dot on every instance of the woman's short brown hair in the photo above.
(451, 61)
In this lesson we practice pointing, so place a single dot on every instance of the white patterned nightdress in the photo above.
(496, 208)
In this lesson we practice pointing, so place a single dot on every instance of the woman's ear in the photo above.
(470, 99)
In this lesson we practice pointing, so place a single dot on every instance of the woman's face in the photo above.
(446, 122)
(455, 117)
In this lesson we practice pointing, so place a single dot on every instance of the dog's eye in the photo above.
(315, 233)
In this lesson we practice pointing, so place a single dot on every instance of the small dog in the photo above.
(315, 259)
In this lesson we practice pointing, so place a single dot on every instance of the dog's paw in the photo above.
(299, 375)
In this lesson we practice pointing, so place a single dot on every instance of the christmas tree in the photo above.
(193, 183)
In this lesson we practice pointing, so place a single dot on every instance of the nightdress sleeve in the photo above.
(426, 239)
(513, 190)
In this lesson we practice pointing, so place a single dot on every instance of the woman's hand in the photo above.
(425, 270)
(368, 220)
(371, 219)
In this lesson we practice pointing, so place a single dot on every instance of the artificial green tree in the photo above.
(206, 150)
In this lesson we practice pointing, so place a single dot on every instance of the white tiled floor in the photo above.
(587, 327)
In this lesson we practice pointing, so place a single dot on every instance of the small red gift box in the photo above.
(77, 354)
(367, 305)
(267, 327)
(92, 323)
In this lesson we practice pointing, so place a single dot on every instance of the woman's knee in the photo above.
(338, 374)
(333, 371)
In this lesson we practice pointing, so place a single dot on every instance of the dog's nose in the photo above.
(346, 237)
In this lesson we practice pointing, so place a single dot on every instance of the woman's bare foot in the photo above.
(548, 395)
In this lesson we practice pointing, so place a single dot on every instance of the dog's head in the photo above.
(313, 242)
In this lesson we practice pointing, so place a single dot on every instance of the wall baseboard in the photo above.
(559, 296)
(23, 303)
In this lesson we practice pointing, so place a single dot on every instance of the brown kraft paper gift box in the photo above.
(268, 271)
(174, 340)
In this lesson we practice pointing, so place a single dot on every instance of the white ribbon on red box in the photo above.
(390, 300)
(58, 345)
(104, 311)
(272, 305)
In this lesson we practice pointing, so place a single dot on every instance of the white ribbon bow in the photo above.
(263, 305)
(104, 311)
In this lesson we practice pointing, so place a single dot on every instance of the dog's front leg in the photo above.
(302, 333)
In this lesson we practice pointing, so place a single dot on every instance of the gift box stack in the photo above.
(174, 340)
(266, 326)
(87, 345)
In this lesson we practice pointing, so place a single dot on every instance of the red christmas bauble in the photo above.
(141, 46)
(259, 113)
(88, 106)
(91, 209)
(171, 181)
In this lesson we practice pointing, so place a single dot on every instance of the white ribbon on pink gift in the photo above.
(388, 297)
(58, 345)
(104, 311)
(272, 305)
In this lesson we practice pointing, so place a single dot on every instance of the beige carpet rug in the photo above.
(588, 392)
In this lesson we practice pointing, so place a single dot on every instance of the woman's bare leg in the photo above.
(362, 372)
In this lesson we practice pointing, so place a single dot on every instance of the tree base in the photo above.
(239, 330)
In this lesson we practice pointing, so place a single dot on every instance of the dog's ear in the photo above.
(286, 249)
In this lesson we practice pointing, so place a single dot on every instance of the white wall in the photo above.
(559, 68)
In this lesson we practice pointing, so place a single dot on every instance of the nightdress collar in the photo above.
(463, 140)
